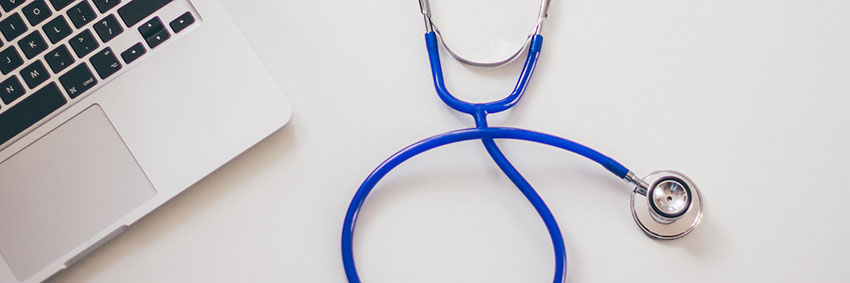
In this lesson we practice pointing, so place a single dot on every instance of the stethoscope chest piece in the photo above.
(669, 207)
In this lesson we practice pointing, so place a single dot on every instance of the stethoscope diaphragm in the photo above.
(669, 208)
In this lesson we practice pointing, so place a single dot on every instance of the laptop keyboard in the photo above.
(54, 51)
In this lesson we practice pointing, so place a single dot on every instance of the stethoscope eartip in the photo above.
(669, 207)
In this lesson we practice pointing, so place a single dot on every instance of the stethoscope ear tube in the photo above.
(430, 26)
(432, 44)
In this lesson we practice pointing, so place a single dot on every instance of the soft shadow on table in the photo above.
(699, 242)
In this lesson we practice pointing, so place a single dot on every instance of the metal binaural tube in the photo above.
(425, 9)
(541, 16)
(430, 26)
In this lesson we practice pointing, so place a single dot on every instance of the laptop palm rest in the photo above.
(55, 195)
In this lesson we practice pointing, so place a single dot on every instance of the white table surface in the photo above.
(747, 97)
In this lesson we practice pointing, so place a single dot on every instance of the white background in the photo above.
(747, 97)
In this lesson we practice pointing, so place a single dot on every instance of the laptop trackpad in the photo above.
(62, 190)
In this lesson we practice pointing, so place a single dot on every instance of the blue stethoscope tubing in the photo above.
(486, 134)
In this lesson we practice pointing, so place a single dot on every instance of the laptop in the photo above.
(108, 109)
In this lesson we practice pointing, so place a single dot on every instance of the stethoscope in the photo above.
(665, 204)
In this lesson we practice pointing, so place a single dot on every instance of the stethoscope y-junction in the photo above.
(664, 204)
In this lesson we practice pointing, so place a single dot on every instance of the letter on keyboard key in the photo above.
(29, 111)
(32, 44)
(57, 29)
(11, 89)
(10, 60)
(35, 74)
(105, 63)
(136, 11)
(78, 80)
(13, 26)
(8, 5)
(36, 12)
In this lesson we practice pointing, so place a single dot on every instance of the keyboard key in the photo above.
(83, 43)
(32, 44)
(108, 28)
(35, 74)
(11, 89)
(105, 63)
(36, 12)
(182, 22)
(136, 11)
(133, 53)
(13, 26)
(105, 5)
(57, 29)
(10, 60)
(151, 27)
(82, 14)
(8, 5)
(158, 38)
(154, 32)
(59, 59)
(61, 4)
(29, 111)
(78, 80)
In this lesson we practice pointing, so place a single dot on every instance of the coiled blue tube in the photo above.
(464, 135)
(533, 197)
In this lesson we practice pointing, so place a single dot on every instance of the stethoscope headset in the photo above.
(665, 204)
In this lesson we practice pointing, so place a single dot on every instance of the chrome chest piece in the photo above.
(666, 205)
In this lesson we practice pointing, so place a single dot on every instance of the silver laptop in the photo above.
(108, 109)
